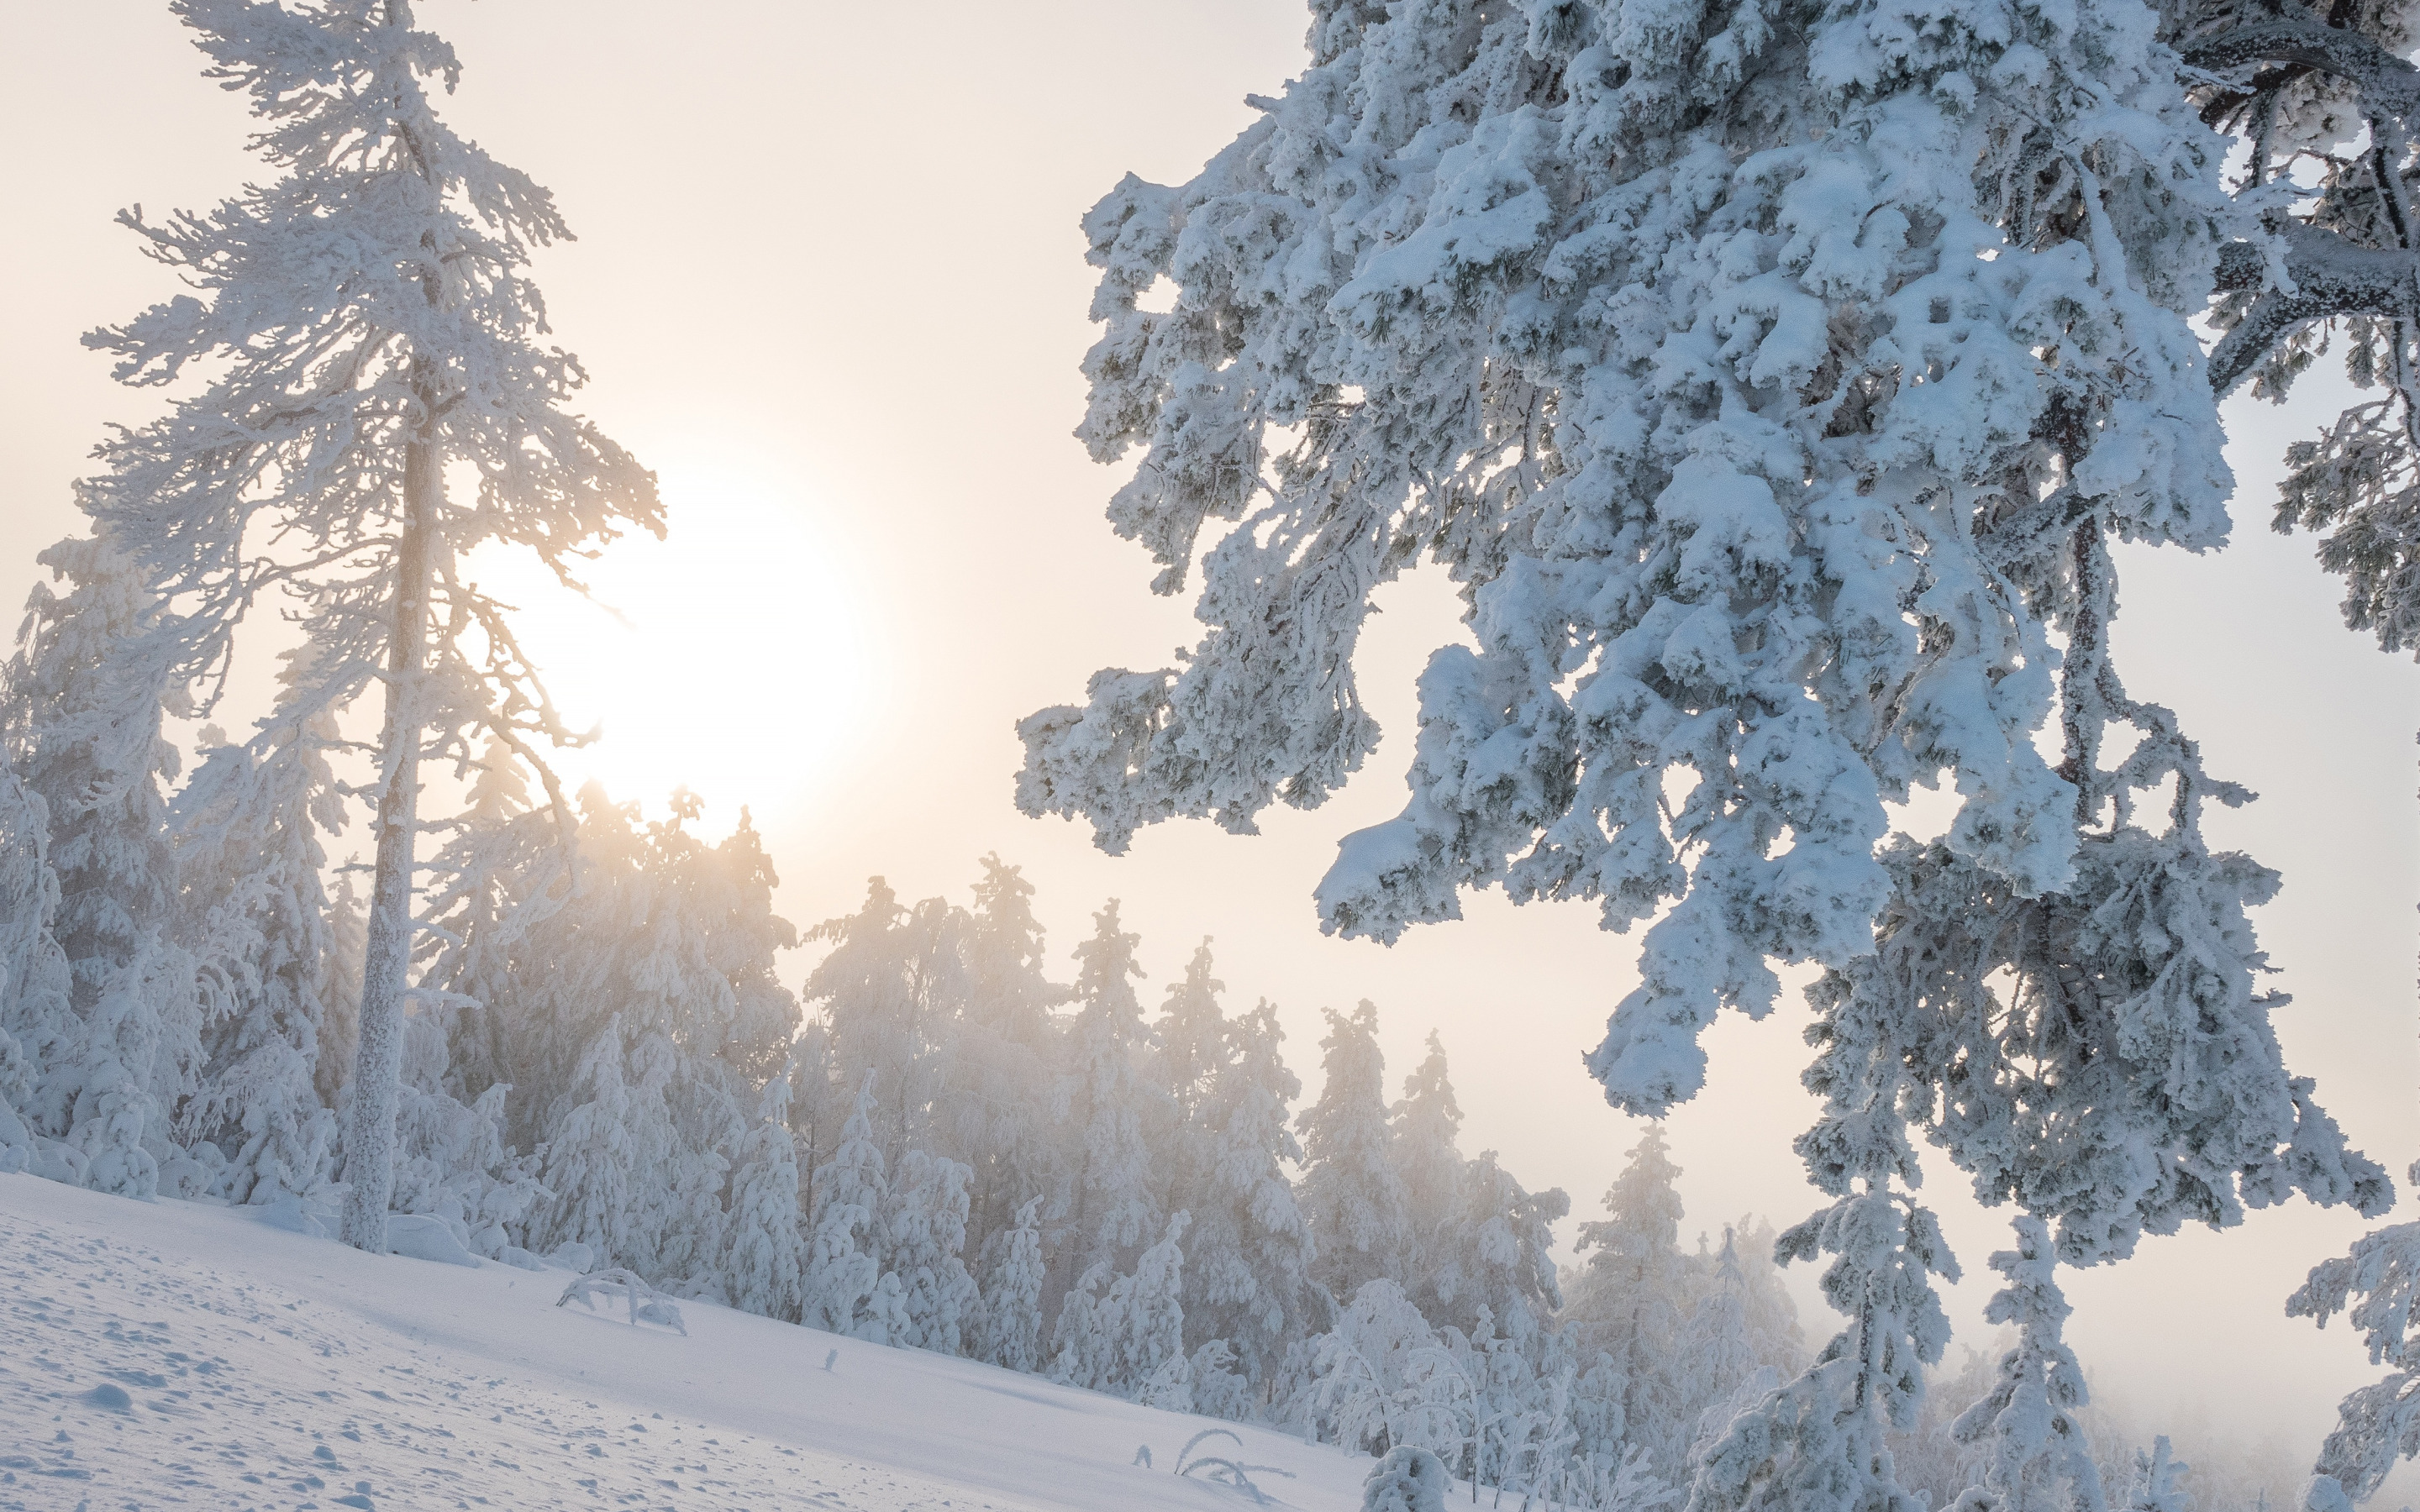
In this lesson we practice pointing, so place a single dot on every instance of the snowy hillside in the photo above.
(171, 1354)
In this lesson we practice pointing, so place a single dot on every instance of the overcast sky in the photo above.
(829, 284)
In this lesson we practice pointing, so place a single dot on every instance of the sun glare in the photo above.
(724, 658)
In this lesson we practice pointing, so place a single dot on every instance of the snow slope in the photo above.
(170, 1354)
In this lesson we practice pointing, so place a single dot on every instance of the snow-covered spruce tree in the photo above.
(361, 326)
(2037, 1458)
(596, 1162)
(340, 987)
(998, 1086)
(1011, 1293)
(34, 990)
(1773, 379)
(622, 1175)
(764, 1262)
(1424, 1130)
(923, 1234)
(1360, 1214)
(1361, 1387)
(1715, 1353)
(1249, 1254)
(818, 1106)
(891, 987)
(499, 873)
(249, 868)
(1500, 1252)
(1108, 1103)
(843, 1271)
(2377, 1287)
(1152, 1350)
(1124, 1334)
(2321, 104)
(1189, 1040)
(86, 692)
(2157, 1484)
(652, 928)
(1632, 1298)
(452, 1160)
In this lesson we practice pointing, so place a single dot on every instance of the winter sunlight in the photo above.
(1502, 754)
(729, 657)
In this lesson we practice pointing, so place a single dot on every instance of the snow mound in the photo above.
(425, 1238)
(169, 1355)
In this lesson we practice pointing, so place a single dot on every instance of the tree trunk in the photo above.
(378, 1069)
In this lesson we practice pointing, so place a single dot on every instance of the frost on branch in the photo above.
(2324, 106)
(2375, 1287)
(1752, 435)
(360, 326)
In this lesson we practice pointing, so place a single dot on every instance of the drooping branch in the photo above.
(2331, 275)
(2388, 84)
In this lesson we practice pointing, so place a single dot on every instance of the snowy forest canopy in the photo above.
(1773, 378)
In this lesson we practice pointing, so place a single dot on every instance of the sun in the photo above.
(725, 658)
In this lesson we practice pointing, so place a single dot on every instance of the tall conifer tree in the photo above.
(363, 327)
(1360, 1212)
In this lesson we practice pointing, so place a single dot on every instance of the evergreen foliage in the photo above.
(1355, 1197)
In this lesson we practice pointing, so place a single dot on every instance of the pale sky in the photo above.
(830, 287)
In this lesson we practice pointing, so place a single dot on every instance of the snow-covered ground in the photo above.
(175, 1355)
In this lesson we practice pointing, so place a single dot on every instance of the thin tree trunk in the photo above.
(378, 1069)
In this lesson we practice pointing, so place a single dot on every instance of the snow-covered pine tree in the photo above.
(1107, 1104)
(1359, 1390)
(764, 1261)
(1014, 1276)
(34, 994)
(2377, 1287)
(2037, 1459)
(1124, 1334)
(1189, 1040)
(892, 985)
(1658, 377)
(2324, 102)
(997, 1085)
(1154, 1357)
(818, 1106)
(1774, 379)
(250, 869)
(2099, 1056)
(1633, 1297)
(922, 1235)
(1715, 1354)
(340, 987)
(1248, 1251)
(502, 871)
(594, 1165)
(1354, 1196)
(1821, 1440)
(1500, 1251)
(85, 698)
(842, 1269)
(333, 392)
(1424, 1132)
